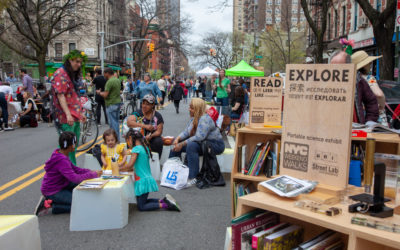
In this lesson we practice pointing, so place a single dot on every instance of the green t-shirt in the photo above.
(113, 86)
(221, 93)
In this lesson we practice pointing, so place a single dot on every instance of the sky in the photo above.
(205, 19)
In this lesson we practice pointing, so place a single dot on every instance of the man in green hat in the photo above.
(65, 86)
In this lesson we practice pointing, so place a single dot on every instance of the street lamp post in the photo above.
(102, 49)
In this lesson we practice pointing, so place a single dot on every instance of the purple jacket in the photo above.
(366, 102)
(60, 172)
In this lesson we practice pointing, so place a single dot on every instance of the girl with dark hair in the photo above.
(144, 181)
(61, 178)
(238, 103)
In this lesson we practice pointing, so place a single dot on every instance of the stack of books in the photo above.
(240, 189)
(261, 230)
(264, 159)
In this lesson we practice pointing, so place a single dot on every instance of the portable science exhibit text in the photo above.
(266, 101)
(317, 118)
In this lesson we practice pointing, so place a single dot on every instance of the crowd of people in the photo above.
(230, 96)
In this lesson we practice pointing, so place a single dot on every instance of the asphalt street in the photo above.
(201, 224)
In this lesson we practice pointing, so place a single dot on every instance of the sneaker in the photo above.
(191, 182)
(8, 129)
(40, 205)
(171, 202)
(43, 207)
(1, 129)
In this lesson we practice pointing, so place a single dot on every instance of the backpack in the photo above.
(210, 173)
(187, 84)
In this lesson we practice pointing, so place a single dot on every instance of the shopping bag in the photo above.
(174, 174)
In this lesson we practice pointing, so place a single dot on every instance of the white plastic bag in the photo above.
(87, 105)
(174, 174)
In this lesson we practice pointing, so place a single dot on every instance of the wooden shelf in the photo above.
(341, 223)
(239, 176)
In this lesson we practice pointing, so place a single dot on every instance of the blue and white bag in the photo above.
(174, 174)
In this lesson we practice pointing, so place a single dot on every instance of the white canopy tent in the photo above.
(207, 71)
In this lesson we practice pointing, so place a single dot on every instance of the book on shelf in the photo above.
(240, 189)
(243, 231)
(326, 242)
(286, 238)
(248, 216)
(260, 159)
(241, 158)
(257, 238)
(315, 240)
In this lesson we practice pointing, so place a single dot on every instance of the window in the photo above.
(295, 1)
(277, 10)
(294, 11)
(269, 11)
(336, 24)
(277, 19)
(294, 20)
(344, 20)
(378, 5)
(58, 50)
(72, 46)
(71, 23)
(355, 16)
(277, 2)
(302, 19)
(269, 20)
(58, 26)
(329, 26)
(269, 2)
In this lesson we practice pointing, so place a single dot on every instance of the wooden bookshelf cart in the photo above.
(357, 237)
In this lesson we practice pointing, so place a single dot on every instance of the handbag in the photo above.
(234, 128)
(174, 174)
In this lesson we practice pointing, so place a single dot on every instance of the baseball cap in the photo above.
(149, 98)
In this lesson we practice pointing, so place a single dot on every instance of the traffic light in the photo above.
(151, 49)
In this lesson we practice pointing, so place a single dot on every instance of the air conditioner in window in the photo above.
(363, 22)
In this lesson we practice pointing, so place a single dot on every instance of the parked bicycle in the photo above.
(89, 128)
(130, 105)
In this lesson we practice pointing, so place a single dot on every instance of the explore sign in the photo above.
(317, 119)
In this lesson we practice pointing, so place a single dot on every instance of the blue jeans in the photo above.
(62, 200)
(113, 117)
(4, 109)
(235, 116)
(208, 95)
(224, 105)
(193, 151)
(145, 204)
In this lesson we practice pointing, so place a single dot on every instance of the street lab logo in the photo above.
(171, 177)
(257, 117)
(295, 156)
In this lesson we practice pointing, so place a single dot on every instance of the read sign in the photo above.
(266, 101)
(317, 120)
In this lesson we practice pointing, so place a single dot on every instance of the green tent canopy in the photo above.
(243, 69)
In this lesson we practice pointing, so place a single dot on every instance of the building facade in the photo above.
(108, 17)
(346, 19)
(251, 16)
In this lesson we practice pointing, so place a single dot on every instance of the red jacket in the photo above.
(185, 91)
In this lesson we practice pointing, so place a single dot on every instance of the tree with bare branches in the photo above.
(37, 23)
(147, 24)
(383, 23)
(317, 20)
(221, 43)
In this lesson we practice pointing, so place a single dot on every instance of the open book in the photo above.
(374, 127)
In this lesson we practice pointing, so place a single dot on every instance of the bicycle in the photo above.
(89, 128)
(130, 106)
